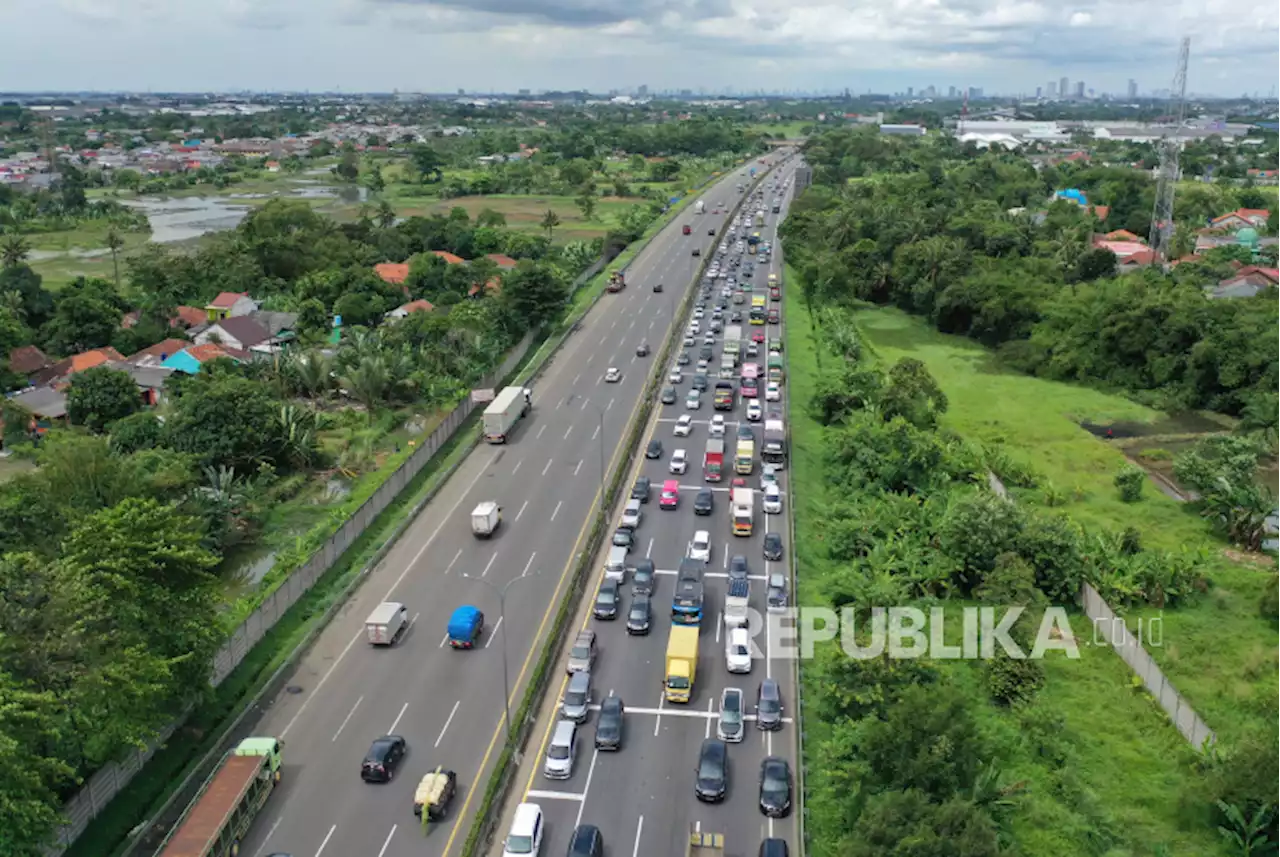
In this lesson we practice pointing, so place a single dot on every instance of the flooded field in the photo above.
(182, 218)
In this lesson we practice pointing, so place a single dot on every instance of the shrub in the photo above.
(1129, 482)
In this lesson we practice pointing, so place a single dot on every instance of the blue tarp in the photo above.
(463, 623)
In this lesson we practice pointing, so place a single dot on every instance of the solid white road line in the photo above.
(649, 550)
(387, 842)
(635, 849)
(711, 711)
(657, 721)
(396, 722)
(343, 725)
(327, 837)
(447, 722)
(550, 795)
(586, 789)
(493, 633)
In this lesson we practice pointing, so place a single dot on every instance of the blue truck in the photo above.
(465, 626)
(686, 604)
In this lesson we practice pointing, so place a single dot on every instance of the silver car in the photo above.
(729, 726)
(575, 705)
(582, 655)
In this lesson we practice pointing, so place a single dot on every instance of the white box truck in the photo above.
(699, 207)
(736, 603)
(504, 412)
(485, 519)
(386, 623)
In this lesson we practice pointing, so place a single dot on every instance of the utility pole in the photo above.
(1161, 235)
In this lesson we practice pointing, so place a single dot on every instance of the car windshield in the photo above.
(677, 683)
(605, 597)
(638, 611)
(519, 844)
(574, 697)
(738, 649)
(579, 651)
(768, 706)
(558, 752)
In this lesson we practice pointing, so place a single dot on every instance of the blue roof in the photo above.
(463, 620)
(1072, 194)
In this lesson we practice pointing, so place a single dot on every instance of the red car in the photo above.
(670, 497)
(774, 317)
(687, 230)
(739, 482)
(758, 337)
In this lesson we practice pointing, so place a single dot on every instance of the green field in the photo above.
(526, 212)
(1121, 788)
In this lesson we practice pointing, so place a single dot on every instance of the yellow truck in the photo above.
(682, 662)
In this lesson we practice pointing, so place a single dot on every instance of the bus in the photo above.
(758, 310)
(775, 367)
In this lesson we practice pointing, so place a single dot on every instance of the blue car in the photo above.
(465, 626)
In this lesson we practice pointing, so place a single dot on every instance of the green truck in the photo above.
(215, 823)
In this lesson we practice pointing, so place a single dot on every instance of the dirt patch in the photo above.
(1189, 423)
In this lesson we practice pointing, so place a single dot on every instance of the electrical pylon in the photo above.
(1170, 145)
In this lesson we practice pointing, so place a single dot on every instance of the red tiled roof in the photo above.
(501, 260)
(450, 257)
(226, 300)
(27, 359)
(1243, 214)
(392, 272)
(96, 357)
(1101, 211)
(1123, 235)
(1272, 274)
(493, 287)
(1142, 257)
(160, 350)
(417, 306)
(209, 351)
(188, 316)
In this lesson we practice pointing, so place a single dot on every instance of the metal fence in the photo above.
(99, 789)
(1113, 629)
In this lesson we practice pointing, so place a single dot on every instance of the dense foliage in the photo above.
(951, 234)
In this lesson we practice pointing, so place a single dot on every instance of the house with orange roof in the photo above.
(230, 305)
(450, 258)
(190, 359)
(155, 355)
(504, 262)
(1138, 259)
(60, 372)
(189, 317)
(394, 273)
(1123, 235)
(1240, 218)
(1246, 282)
(28, 360)
(411, 307)
(492, 288)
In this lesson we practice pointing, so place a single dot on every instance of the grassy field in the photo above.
(526, 212)
(1120, 789)
(1218, 651)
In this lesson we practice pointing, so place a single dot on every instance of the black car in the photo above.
(773, 547)
(586, 842)
(640, 491)
(609, 725)
(654, 449)
(657, 288)
(668, 395)
(775, 787)
(738, 568)
(769, 706)
(700, 382)
(712, 781)
(774, 848)
(705, 352)
(697, 252)
(745, 432)
(642, 577)
(383, 759)
(607, 598)
(642, 350)
(736, 316)
(711, 231)
(623, 538)
(639, 615)
(704, 502)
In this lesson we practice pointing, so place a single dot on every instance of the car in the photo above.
(712, 782)
(776, 595)
(774, 317)
(711, 231)
(746, 432)
(639, 615)
(670, 497)
(700, 547)
(623, 538)
(768, 476)
(676, 377)
(697, 313)
(737, 651)
(753, 350)
(657, 288)
(654, 449)
(775, 787)
(716, 429)
(772, 499)
(383, 759)
(586, 842)
(735, 317)
(773, 547)
(700, 382)
(750, 389)
(694, 328)
(688, 340)
(683, 359)
(709, 339)
(679, 462)
(612, 375)
(704, 503)
(705, 353)
(582, 654)
(631, 515)
(703, 365)
(697, 252)
(642, 350)
(693, 401)
(769, 705)
(607, 601)
(668, 395)
(757, 336)
(738, 568)
(642, 578)
(562, 752)
(773, 847)
(640, 490)
(609, 726)
(754, 412)
(773, 392)
(683, 427)
(729, 726)
(525, 836)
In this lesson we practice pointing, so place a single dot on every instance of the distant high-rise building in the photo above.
(462, 92)
(523, 92)
(1079, 89)
(975, 92)
(642, 90)
(1133, 89)
(1064, 87)
(910, 91)
(930, 92)
(951, 92)
(1053, 89)
(1039, 90)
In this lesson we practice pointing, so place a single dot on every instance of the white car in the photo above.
(768, 476)
(693, 401)
(694, 328)
(676, 377)
(737, 651)
(679, 462)
(704, 365)
(612, 375)
(772, 499)
(754, 412)
(697, 313)
(631, 515)
(716, 428)
(525, 836)
(773, 392)
(684, 425)
(753, 350)
(700, 547)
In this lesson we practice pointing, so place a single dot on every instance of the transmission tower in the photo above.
(1170, 145)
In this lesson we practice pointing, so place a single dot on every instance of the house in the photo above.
(155, 355)
(1247, 282)
(190, 359)
(28, 360)
(45, 404)
(1124, 249)
(1123, 235)
(61, 371)
(394, 273)
(150, 380)
(413, 306)
(493, 287)
(504, 262)
(450, 258)
(236, 334)
(1138, 259)
(1240, 218)
(230, 305)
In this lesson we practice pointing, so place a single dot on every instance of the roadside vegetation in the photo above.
(895, 427)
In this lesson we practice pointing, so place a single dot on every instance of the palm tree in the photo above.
(314, 373)
(550, 221)
(114, 242)
(13, 302)
(386, 215)
(14, 250)
(368, 381)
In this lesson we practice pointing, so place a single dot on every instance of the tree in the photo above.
(32, 780)
(907, 823)
(374, 181)
(489, 217)
(114, 241)
(550, 220)
(348, 167)
(534, 293)
(14, 250)
(138, 431)
(386, 215)
(927, 741)
(912, 393)
(586, 203)
(36, 301)
(224, 421)
(101, 395)
(313, 320)
(85, 316)
(427, 161)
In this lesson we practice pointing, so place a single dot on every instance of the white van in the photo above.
(525, 837)
(615, 567)
(561, 752)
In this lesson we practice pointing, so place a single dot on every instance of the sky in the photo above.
(1007, 46)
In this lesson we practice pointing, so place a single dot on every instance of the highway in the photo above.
(448, 704)
(642, 797)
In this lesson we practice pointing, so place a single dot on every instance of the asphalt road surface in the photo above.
(642, 797)
(448, 704)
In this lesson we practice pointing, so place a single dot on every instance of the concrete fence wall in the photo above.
(99, 789)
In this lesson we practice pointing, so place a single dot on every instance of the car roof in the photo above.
(702, 535)
(610, 703)
(670, 485)
(526, 815)
(581, 677)
(586, 634)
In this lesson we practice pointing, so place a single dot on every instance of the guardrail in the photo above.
(503, 775)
